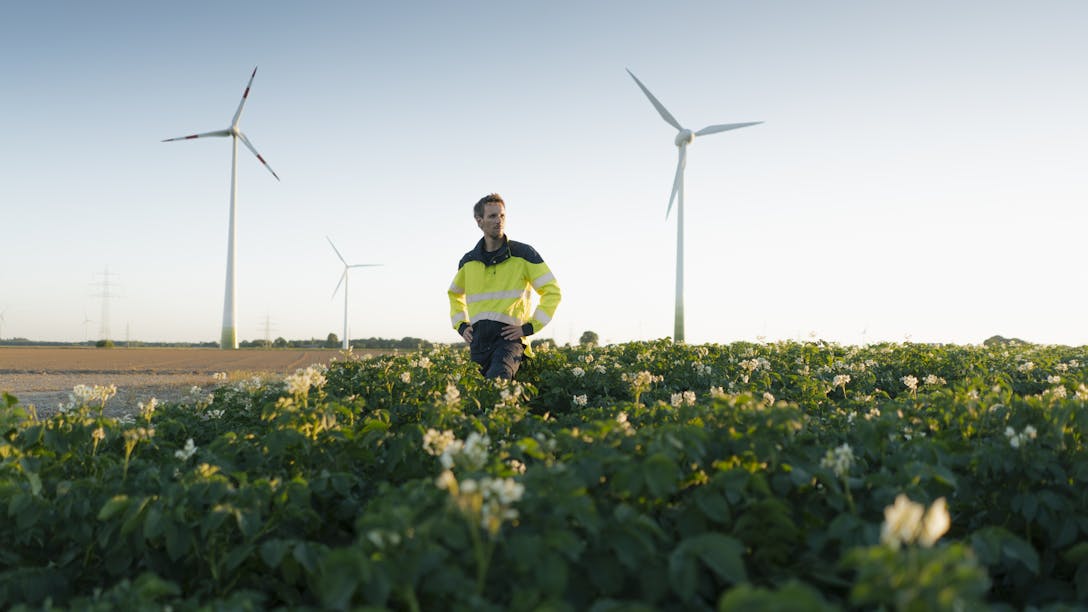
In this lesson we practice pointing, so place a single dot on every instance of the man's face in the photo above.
(493, 223)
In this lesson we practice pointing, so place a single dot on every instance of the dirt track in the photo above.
(44, 376)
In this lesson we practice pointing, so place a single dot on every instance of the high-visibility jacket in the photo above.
(495, 287)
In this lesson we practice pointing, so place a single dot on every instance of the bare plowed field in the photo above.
(44, 376)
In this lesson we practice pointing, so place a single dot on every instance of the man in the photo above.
(489, 296)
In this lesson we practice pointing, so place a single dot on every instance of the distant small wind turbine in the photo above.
(684, 137)
(86, 321)
(344, 281)
(2, 323)
(229, 337)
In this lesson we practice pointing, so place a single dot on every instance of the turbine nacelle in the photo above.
(684, 137)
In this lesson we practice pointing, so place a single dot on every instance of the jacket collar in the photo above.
(490, 259)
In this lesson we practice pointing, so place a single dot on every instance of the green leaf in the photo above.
(683, 573)
(177, 541)
(132, 520)
(1016, 548)
(35, 483)
(661, 474)
(238, 556)
(116, 504)
(1078, 553)
(712, 504)
(722, 554)
(272, 552)
(338, 580)
(153, 523)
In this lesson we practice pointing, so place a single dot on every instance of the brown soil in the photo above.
(44, 376)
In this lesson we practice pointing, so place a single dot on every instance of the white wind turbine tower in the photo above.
(229, 337)
(684, 137)
(344, 281)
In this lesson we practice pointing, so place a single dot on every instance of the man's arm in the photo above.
(459, 307)
(545, 284)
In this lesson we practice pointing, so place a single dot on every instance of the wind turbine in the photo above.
(229, 337)
(2, 323)
(86, 320)
(684, 137)
(344, 281)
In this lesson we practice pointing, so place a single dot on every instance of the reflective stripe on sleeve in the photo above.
(458, 319)
(543, 280)
(456, 290)
(541, 316)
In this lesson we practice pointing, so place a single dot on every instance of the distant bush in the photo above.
(104, 344)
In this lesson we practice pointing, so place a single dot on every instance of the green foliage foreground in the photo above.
(790, 476)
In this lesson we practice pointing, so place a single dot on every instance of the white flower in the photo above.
(933, 380)
(474, 454)
(934, 524)
(768, 398)
(516, 465)
(578, 372)
(406, 377)
(188, 451)
(840, 380)
(453, 394)
(98, 435)
(901, 522)
(148, 409)
(445, 480)
(580, 400)
(717, 392)
(1018, 439)
(1082, 392)
(435, 442)
(689, 398)
(1025, 367)
(839, 460)
(1053, 379)
(219, 376)
(600, 369)
(910, 382)
(677, 400)
(302, 380)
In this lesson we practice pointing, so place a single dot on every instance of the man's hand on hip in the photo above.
(513, 332)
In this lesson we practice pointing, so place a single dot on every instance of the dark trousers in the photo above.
(496, 356)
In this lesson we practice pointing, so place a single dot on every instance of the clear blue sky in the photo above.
(921, 171)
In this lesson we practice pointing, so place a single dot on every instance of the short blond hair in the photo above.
(491, 198)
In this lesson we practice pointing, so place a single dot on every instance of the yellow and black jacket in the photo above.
(495, 287)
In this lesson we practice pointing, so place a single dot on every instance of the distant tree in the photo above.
(104, 344)
(279, 342)
(589, 338)
(332, 341)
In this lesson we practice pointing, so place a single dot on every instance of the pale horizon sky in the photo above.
(920, 173)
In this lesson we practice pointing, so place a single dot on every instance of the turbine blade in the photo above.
(679, 177)
(336, 249)
(365, 266)
(204, 135)
(342, 277)
(713, 129)
(249, 145)
(659, 106)
(245, 94)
